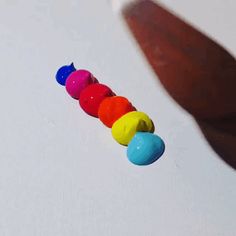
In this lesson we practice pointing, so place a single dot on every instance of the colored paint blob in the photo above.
(112, 108)
(124, 129)
(92, 96)
(63, 73)
(78, 81)
(145, 148)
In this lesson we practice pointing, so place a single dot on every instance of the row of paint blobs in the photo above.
(129, 127)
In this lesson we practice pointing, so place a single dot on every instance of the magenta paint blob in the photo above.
(78, 81)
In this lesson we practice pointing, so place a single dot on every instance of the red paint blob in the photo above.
(92, 96)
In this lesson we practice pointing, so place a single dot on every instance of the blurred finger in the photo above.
(198, 73)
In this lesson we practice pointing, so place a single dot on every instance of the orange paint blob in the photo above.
(112, 108)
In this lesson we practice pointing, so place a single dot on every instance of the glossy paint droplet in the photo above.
(92, 96)
(145, 148)
(124, 129)
(77, 81)
(113, 108)
(63, 73)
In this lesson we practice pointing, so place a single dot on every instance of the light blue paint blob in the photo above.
(145, 148)
(63, 73)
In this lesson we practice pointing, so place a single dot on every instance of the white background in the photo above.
(61, 173)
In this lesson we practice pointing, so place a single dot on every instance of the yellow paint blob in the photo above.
(126, 127)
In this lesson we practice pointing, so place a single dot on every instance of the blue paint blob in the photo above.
(145, 148)
(63, 73)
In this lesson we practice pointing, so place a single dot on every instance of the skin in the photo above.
(197, 72)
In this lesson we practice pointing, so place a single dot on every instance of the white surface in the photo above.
(215, 18)
(60, 171)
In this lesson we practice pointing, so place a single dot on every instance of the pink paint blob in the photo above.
(78, 81)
